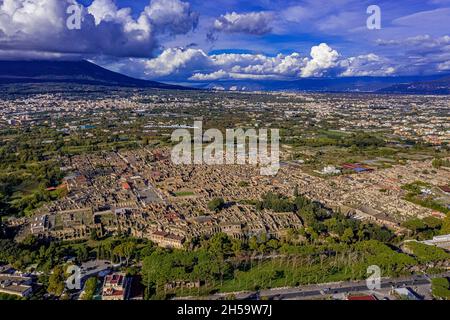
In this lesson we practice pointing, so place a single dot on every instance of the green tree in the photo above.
(414, 225)
(56, 281)
(216, 204)
(440, 288)
(253, 243)
(348, 235)
(82, 253)
(89, 288)
(446, 225)
(93, 235)
(432, 222)
(129, 250)
(426, 253)
(236, 247)
(220, 245)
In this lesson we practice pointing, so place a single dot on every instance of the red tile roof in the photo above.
(126, 186)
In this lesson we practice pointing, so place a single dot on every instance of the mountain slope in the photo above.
(79, 72)
(439, 86)
(339, 84)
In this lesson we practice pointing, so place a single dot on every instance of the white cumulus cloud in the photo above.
(366, 65)
(175, 61)
(196, 65)
(323, 58)
(216, 75)
(40, 26)
(173, 16)
(257, 23)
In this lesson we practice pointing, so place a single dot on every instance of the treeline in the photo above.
(28, 165)
(45, 255)
(427, 227)
(427, 254)
(25, 190)
(359, 140)
(29, 145)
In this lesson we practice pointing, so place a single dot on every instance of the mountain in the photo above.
(75, 72)
(339, 84)
(86, 73)
(438, 86)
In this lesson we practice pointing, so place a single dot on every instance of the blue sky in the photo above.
(197, 40)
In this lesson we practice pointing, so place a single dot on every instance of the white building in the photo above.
(330, 170)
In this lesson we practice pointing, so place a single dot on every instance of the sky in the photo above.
(199, 40)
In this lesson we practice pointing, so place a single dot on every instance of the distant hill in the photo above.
(438, 86)
(339, 84)
(77, 72)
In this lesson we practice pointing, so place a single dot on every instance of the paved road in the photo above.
(329, 289)
(344, 287)
(336, 288)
